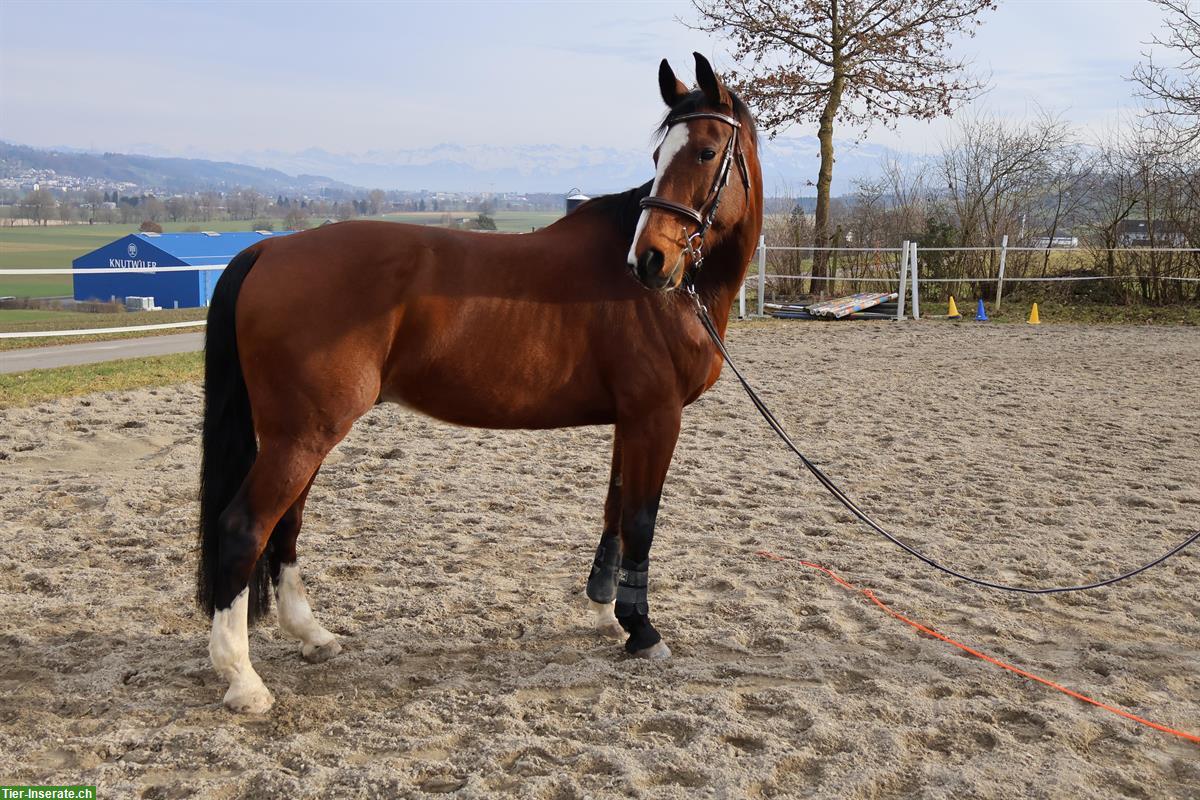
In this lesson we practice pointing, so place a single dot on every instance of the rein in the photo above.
(733, 148)
(853, 508)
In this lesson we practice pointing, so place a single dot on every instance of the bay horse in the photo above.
(581, 323)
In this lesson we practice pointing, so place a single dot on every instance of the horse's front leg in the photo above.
(602, 582)
(647, 444)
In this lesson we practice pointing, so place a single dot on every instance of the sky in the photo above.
(213, 78)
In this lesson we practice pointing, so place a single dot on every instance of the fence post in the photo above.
(903, 280)
(1000, 281)
(742, 300)
(762, 272)
(916, 292)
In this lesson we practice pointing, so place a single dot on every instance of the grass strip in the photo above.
(1054, 311)
(17, 320)
(34, 386)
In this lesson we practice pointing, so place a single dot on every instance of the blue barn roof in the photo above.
(204, 249)
(142, 251)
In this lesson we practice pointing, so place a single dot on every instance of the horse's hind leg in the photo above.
(602, 582)
(279, 475)
(295, 615)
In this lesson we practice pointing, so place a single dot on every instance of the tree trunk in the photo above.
(824, 179)
(825, 176)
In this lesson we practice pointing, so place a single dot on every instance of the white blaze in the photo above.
(677, 137)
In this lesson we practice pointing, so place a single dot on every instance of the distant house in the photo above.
(1140, 233)
(1057, 241)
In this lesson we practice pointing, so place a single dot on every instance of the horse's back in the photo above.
(491, 330)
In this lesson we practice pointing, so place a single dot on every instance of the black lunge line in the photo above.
(862, 515)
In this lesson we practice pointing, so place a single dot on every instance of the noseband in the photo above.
(733, 149)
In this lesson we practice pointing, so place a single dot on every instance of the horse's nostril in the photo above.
(650, 263)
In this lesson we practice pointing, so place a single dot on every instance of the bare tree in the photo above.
(866, 220)
(375, 201)
(296, 219)
(993, 169)
(38, 205)
(847, 61)
(254, 202)
(153, 209)
(1066, 186)
(207, 205)
(1174, 92)
(1115, 198)
(178, 207)
(907, 184)
(994, 175)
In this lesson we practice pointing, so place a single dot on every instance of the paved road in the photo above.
(64, 355)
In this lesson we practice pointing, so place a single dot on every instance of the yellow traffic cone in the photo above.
(1033, 316)
(953, 312)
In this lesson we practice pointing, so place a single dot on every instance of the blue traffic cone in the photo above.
(980, 313)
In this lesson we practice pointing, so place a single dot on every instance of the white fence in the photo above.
(106, 271)
(906, 276)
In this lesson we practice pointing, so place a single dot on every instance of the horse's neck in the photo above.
(723, 273)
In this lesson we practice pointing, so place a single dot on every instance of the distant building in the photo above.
(575, 198)
(139, 254)
(1057, 241)
(1140, 233)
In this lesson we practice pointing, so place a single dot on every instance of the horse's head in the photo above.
(702, 184)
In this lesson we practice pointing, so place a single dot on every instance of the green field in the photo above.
(17, 318)
(56, 246)
(507, 221)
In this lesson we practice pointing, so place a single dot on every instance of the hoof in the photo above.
(605, 620)
(655, 652)
(317, 654)
(249, 700)
(611, 630)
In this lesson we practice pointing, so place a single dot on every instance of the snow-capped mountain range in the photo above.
(789, 165)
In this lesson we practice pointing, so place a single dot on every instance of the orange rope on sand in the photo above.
(867, 593)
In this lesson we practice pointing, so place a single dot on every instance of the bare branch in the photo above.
(844, 61)
(1174, 92)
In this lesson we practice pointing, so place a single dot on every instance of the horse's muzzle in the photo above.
(649, 269)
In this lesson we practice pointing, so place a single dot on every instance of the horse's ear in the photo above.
(671, 87)
(714, 91)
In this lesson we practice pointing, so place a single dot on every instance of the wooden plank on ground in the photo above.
(844, 306)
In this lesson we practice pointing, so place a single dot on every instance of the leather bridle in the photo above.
(733, 152)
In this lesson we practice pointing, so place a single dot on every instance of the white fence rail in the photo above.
(906, 269)
(907, 278)
(93, 331)
(106, 271)
(111, 270)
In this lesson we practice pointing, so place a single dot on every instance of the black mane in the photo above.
(621, 207)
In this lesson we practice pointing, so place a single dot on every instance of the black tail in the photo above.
(228, 447)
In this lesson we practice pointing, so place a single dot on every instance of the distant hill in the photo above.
(152, 172)
(789, 168)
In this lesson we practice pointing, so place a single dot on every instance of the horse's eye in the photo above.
(707, 155)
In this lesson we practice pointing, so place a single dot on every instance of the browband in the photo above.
(705, 115)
